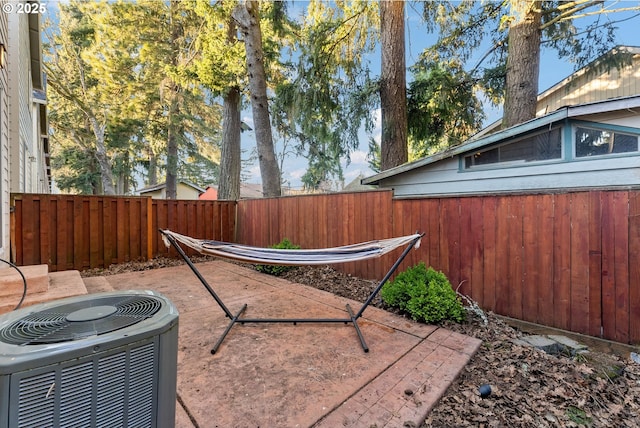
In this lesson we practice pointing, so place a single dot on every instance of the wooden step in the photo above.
(61, 284)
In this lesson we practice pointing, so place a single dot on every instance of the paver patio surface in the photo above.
(305, 375)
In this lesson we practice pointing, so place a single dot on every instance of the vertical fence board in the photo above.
(634, 266)
(514, 227)
(65, 234)
(489, 237)
(435, 209)
(562, 262)
(26, 236)
(621, 264)
(579, 316)
(595, 264)
(608, 268)
(52, 221)
(81, 232)
(94, 234)
(531, 258)
(474, 242)
(466, 248)
(567, 260)
(503, 283)
(45, 228)
(546, 242)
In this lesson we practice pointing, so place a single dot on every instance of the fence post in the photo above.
(150, 229)
(12, 229)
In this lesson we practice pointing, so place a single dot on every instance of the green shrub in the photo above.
(278, 270)
(425, 294)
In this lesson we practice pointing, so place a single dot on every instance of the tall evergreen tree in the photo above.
(517, 30)
(393, 85)
(328, 93)
(247, 15)
(221, 67)
(77, 86)
(140, 81)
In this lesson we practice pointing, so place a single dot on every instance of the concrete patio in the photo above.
(307, 375)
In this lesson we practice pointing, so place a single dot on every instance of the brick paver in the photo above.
(404, 394)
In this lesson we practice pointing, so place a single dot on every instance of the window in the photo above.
(598, 142)
(542, 146)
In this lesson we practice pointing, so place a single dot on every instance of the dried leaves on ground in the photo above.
(529, 388)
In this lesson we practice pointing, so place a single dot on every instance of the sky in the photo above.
(552, 71)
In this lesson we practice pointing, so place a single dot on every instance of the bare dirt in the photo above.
(529, 388)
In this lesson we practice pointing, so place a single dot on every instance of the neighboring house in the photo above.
(24, 145)
(584, 145)
(584, 87)
(210, 194)
(184, 190)
(587, 146)
(247, 191)
(356, 185)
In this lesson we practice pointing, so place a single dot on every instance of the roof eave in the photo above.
(470, 145)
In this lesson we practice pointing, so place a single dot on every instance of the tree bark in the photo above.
(173, 126)
(247, 16)
(393, 85)
(106, 174)
(523, 63)
(152, 170)
(172, 147)
(229, 185)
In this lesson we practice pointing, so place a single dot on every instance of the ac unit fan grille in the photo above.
(62, 323)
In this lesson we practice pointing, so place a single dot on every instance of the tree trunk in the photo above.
(173, 127)
(229, 186)
(106, 175)
(152, 170)
(172, 147)
(523, 63)
(247, 16)
(393, 85)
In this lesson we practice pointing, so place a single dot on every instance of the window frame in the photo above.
(517, 163)
(597, 126)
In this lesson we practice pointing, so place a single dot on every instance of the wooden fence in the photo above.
(84, 232)
(566, 260)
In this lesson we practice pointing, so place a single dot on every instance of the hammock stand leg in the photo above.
(197, 273)
(353, 319)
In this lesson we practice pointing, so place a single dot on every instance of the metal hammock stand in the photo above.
(258, 255)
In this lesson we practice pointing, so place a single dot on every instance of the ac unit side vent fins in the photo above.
(94, 361)
(114, 390)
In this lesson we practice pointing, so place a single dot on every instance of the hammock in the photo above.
(323, 256)
(258, 255)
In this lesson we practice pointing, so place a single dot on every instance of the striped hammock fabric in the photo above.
(303, 257)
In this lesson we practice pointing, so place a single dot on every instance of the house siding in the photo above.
(23, 149)
(4, 147)
(583, 88)
(447, 178)
(183, 191)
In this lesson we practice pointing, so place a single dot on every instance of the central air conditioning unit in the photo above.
(99, 360)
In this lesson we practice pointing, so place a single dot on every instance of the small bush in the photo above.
(278, 270)
(425, 294)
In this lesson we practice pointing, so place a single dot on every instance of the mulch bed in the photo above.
(529, 388)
